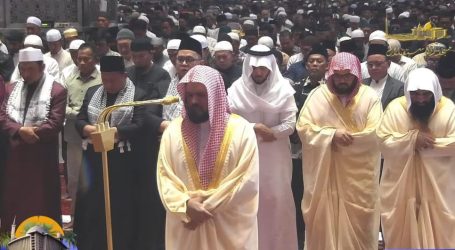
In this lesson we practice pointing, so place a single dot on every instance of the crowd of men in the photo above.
(299, 124)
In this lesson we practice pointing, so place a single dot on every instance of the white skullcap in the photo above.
(248, 22)
(394, 45)
(309, 12)
(75, 44)
(223, 46)
(354, 19)
(346, 17)
(282, 13)
(300, 11)
(228, 15)
(157, 41)
(344, 38)
(33, 40)
(389, 10)
(234, 36)
(335, 4)
(144, 18)
(288, 23)
(377, 35)
(30, 55)
(34, 20)
(53, 35)
(202, 40)
(405, 14)
(358, 33)
(310, 5)
(199, 30)
(253, 16)
(267, 41)
(173, 44)
(353, 6)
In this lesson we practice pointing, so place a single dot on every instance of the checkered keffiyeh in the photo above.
(345, 61)
(218, 117)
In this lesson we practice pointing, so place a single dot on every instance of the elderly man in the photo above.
(124, 39)
(56, 51)
(417, 137)
(225, 63)
(86, 76)
(31, 115)
(210, 185)
(188, 56)
(387, 87)
(266, 99)
(341, 160)
(171, 49)
(395, 55)
(89, 221)
(50, 64)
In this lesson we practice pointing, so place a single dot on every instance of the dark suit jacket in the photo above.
(393, 88)
(154, 82)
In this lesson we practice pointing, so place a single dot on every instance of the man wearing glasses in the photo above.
(188, 56)
(387, 87)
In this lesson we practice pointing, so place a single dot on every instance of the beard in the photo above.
(422, 112)
(344, 88)
(197, 115)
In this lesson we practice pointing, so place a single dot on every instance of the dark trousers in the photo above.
(297, 191)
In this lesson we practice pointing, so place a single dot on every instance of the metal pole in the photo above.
(107, 201)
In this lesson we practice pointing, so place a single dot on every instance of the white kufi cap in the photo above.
(33, 40)
(75, 44)
(377, 35)
(34, 20)
(267, 41)
(30, 55)
(201, 39)
(173, 44)
(53, 35)
(358, 33)
(354, 19)
(199, 30)
(234, 36)
(223, 46)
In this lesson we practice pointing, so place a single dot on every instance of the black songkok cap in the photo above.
(446, 65)
(377, 49)
(189, 43)
(347, 46)
(319, 50)
(112, 64)
(141, 44)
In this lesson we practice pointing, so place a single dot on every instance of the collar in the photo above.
(381, 81)
(93, 75)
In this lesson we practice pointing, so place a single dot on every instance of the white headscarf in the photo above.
(422, 79)
(270, 96)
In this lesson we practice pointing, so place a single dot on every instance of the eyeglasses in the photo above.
(186, 59)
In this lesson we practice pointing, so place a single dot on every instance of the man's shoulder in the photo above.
(397, 104)
(395, 81)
